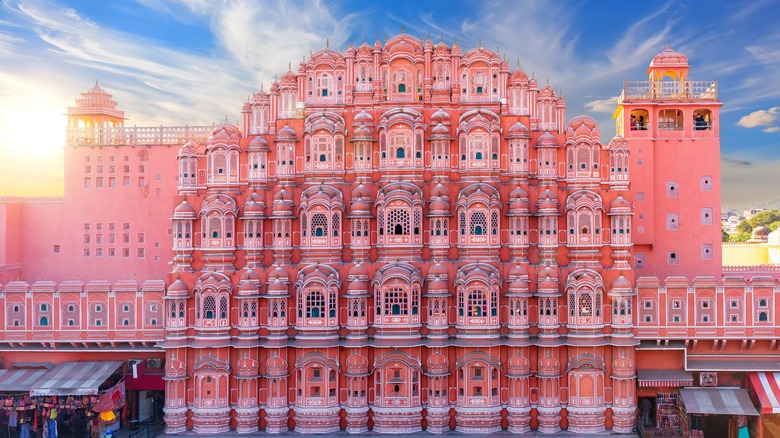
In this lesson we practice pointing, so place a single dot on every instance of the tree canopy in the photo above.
(766, 218)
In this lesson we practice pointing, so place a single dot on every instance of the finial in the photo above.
(479, 43)
(365, 38)
(402, 29)
(327, 43)
(455, 41)
(226, 118)
(533, 74)
(441, 37)
(261, 85)
(289, 66)
(518, 62)
(377, 36)
(310, 54)
(429, 35)
(548, 80)
(668, 46)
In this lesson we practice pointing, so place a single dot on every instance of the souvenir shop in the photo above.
(72, 399)
(659, 388)
(716, 412)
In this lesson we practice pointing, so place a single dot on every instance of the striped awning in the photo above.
(718, 401)
(664, 378)
(75, 378)
(20, 380)
(767, 387)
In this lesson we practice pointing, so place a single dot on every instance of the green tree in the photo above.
(742, 236)
(766, 218)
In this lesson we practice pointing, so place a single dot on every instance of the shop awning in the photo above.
(664, 378)
(721, 401)
(20, 380)
(767, 386)
(75, 378)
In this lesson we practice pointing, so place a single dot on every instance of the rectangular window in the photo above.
(126, 252)
(126, 226)
(56, 249)
(87, 169)
(112, 158)
(706, 216)
(140, 237)
(126, 238)
(126, 168)
(672, 188)
(640, 196)
(141, 168)
(111, 239)
(706, 183)
(126, 181)
(672, 222)
(86, 239)
(86, 227)
(158, 191)
(111, 252)
(112, 182)
(126, 158)
(87, 183)
(141, 182)
(158, 176)
(639, 260)
(706, 251)
(99, 169)
(86, 252)
(673, 258)
(100, 159)
(111, 169)
(99, 239)
(99, 252)
(140, 253)
(99, 226)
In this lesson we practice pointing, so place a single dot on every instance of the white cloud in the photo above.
(603, 105)
(760, 118)
(772, 129)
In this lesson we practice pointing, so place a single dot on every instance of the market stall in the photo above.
(708, 412)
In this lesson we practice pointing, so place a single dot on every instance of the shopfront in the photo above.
(18, 409)
(764, 389)
(715, 412)
(659, 388)
(79, 399)
(145, 391)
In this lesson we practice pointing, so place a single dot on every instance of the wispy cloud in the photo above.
(736, 162)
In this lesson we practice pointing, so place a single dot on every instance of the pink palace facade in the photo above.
(402, 237)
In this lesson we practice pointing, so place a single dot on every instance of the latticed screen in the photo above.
(478, 224)
(494, 223)
(396, 301)
(585, 305)
(398, 222)
(209, 307)
(319, 225)
(315, 304)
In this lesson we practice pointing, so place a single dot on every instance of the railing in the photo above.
(325, 100)
(478, 98)
(124, 135)
(148, 430)
(669, 90)
(364, 88)
(757, 268)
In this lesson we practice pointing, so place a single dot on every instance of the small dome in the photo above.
(363, 117)
(668, 58)
(351, 51)
(440, 191)
(548, 271)
(178, 287)
(282, 202)
(275, 366)
(362, 133)
(518, 130)
(518, 76)
(184, 211)
(440, 132)
(279, 273)
(622, 283)
(439, 206)
(258, 144)
(438, 364)
(548, 200)
(286, 134)
(277, 286)
(360, 206)
(247, 287)
(250, 275)
(547, 140)
(548, 285)
(289, 76)
(441, 116)
(189, 148)
(437, 285)
(357, 286)
(518, 365)
(619, 202)
(517, 271)
(356, 364)
(358, 271)
(438, 270)
(253, 209)
(361, 191)
(548, 366)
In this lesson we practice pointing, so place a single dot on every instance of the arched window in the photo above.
(762, 317)
(315, 305)
(399, 153)
(44, 321)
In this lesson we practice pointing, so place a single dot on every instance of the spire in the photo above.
(403, 30)
(327, 43)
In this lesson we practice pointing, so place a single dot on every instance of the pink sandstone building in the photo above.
(402, 237)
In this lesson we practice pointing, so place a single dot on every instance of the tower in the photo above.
(671, 122)
(89, 122)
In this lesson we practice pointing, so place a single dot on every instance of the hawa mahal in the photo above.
(404, 236)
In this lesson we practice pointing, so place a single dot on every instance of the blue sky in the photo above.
(196, 61)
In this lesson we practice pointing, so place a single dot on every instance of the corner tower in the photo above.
(93, 116)
(671, 126)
